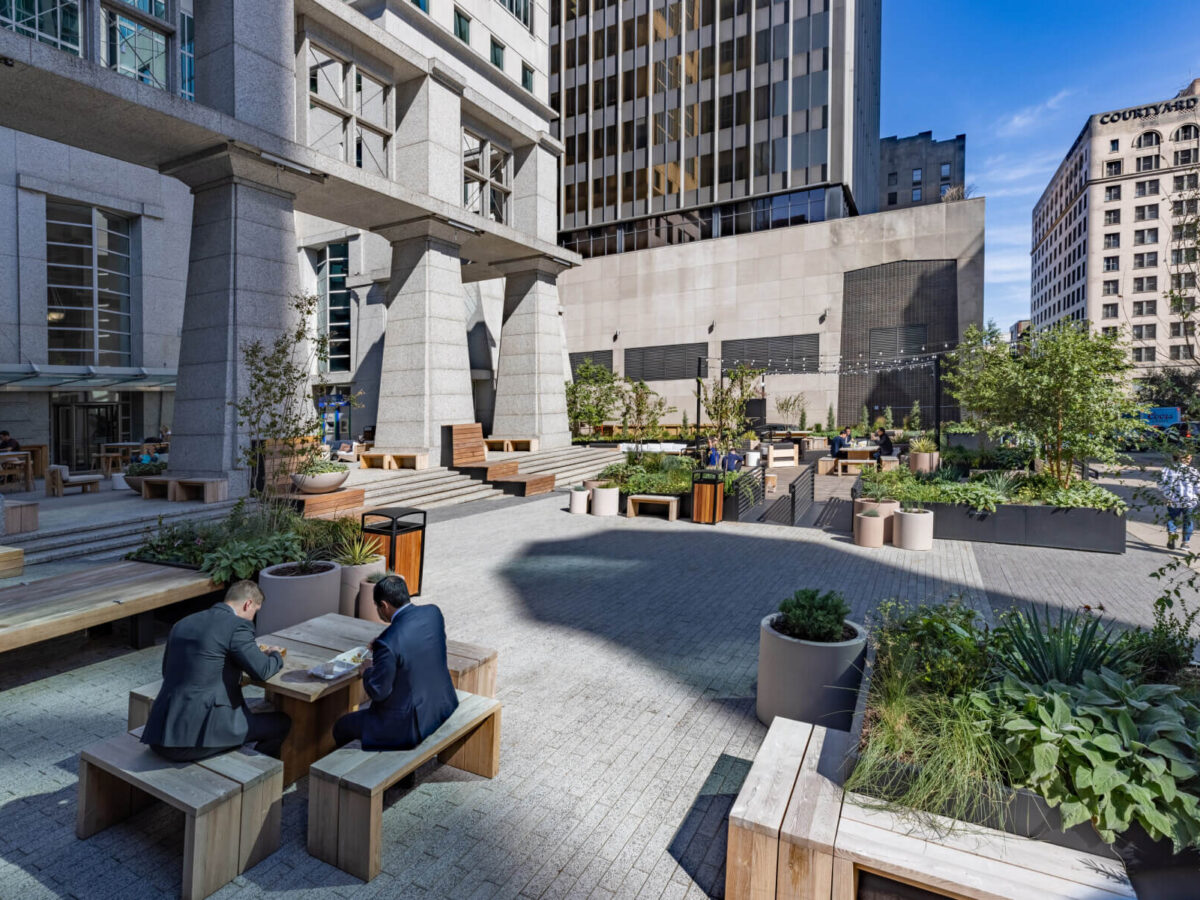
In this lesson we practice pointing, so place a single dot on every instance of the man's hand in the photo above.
(270, 648)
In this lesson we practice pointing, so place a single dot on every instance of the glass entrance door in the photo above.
(81, 429)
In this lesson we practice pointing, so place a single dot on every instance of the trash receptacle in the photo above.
(708, 496)
(398, 533)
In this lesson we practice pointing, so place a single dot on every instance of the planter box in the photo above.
(1096, 530)
(291, 599)
(806, 680)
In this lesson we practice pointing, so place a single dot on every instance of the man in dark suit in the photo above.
(199, 711)
(408, 680)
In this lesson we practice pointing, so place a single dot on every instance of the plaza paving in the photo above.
(627, 664)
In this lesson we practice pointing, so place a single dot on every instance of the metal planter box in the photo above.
(1064, 528)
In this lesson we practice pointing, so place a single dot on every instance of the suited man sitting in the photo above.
(199, 711)
(408, 680)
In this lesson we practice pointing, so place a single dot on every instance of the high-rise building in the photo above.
(917, 169)
(690, 119)
(1113, 233)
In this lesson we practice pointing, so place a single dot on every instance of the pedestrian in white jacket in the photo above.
(1180, 487)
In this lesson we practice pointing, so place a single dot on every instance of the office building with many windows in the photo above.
(1113, 233)
(172, 172)
(918, 169)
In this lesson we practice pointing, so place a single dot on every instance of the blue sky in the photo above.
(1020, 79)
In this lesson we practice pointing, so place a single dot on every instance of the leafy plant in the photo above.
(642, 410)
(973, 494)
(725, 399)
(1108, 751)
(1166, 648)
(812, 615)
(1038, 649)
(830, 420)
(913, 422)
(870, 513)
(888, 422)
(922, 445)
(608, 485)
(357, 551)
(592, 396)
(141, 470)
(237, 560)
(942, 648)
(317, 466)
(792, 408)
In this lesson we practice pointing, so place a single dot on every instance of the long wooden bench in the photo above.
(231, 803)
(826, 465)
(512, 445)
(179, 489)
(50, 607)
(844, 465)
(59, 479)
(469, 453)
(331, 505)
(345, 788)
(634, 501)
(379, 459)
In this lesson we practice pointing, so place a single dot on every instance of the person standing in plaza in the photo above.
(1180, 487)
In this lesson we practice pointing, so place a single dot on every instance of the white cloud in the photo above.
(1023, 120)
(1006, 266)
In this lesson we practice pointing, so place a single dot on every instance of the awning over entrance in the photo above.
(33, 377)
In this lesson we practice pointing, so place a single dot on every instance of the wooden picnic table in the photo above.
(861, 452)
(24, 460)
(40, 453)
(314, 704)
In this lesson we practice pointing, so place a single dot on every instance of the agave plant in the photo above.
(1038, 650)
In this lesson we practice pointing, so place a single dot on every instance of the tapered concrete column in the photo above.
(535, 188)
(241, 275)
(425, 377)
(530, 396)
(428, 140)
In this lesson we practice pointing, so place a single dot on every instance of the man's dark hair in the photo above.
(392, 590)
(4, 434)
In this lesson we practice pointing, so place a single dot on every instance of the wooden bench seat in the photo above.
(634, 501)
(826, 465)
(231, 804)
(142, 698)
(345, 788)
(469, 454)
(889, 463)
(331, 505)
(179, 489)
(59, 479)
(529, 484)
(395, 460)
(845, 465)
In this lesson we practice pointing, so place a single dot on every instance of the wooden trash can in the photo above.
(399, 537)
(708, 496)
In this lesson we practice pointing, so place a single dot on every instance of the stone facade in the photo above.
(918, 169)
(789, 282)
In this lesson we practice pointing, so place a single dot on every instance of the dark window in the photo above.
(666, 362)
(778, 355)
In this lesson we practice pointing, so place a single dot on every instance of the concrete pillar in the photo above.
(241, 275)
(535, 188)
(425, 377)
(246, 61)
(530, 396)
(428, 140)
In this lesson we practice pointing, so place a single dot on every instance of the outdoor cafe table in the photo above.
(125, 448)
(861, 452)
(314, 704)
(23, 459)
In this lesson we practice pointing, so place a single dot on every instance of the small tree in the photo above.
(725, 401)
(643, 409)
(803, 413)
(866, 420)
(830, 419)
(792, 408)
(887, 418)
(913, 422)
(1069, 390)
(591, 397)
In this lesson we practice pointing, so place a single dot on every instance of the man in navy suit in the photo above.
(408, 680)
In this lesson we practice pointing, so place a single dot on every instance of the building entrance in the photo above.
(82, 427)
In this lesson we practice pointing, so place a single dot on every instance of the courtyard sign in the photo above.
(1140, 112)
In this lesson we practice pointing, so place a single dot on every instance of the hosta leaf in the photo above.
(1110, 743)
(1166, 786)
(1073, 813)
(1106, 777)
(1045, 758)
(1020, 723)
(1125, 725)
(1169, 750)
(1083, 776)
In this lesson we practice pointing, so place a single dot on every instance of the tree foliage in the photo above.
(1069, 391)
(725, 400)
(642, 409)
(792, 409)
(1174, 386)
(592, 397)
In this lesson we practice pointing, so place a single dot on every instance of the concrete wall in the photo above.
(782, 282)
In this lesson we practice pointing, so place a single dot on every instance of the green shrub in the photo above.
(942, 648)
(315, 466)
(235, 560)
(922, 445)
(1166, 648)
(620, 473)
(1108, 751)
(1037, 650)
(810, 615)
(142, 470)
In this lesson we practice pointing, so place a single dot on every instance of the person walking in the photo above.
(1180, 487)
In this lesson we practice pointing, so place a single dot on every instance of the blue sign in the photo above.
(1163, 416)
(332, 400)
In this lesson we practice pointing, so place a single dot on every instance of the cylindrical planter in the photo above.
(869, 532)
(134, 483)
(291, 599)
(579, 503)
(753, 457)
(118, 481)
(887, 508)
(591, 484)
(923, 462)
(806, 680)
(366, 602)
(320, 484)
(913, 529)
(352, 577)
(606, 501)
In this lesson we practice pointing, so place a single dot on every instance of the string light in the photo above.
(834, 364)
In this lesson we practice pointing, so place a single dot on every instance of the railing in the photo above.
(803, 493)
(747, 491)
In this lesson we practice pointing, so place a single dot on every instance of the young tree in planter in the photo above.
(591, 397)
(1069, 390)
(792, 409)
(830, 420)
(913, 422)
(643, 409)
(725, 401)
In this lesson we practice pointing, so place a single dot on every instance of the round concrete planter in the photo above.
(579, 503)
(923, 462)
(887, 508)
(753, 458)
(366, 602)
(869, 532)
(591, 484)
(134, 483)
(806, 680)
(291, 599)
(118, 482)
(606, 501)
(351, 578)
(320, 484)
(913, 529)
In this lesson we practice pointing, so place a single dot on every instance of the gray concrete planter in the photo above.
(869, 530)
(291, 599)
(351, 578)
(134, 483)
(606, 501)
(320, 484)
(913, 529)
(887, 509)
(806, 680)
(579, 502)
(923, 462)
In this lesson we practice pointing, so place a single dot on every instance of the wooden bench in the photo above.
(59, 479)
(231, 803)
(377, 459)
(180, 489)
(844, 465)
(469, 453)
(20, 516)
(345, 788)
(333, 505)
(50, 607)
(636, 500)
(827, 465)
(512, 445)
(780, 455)
(12, 562)
(142, 698)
